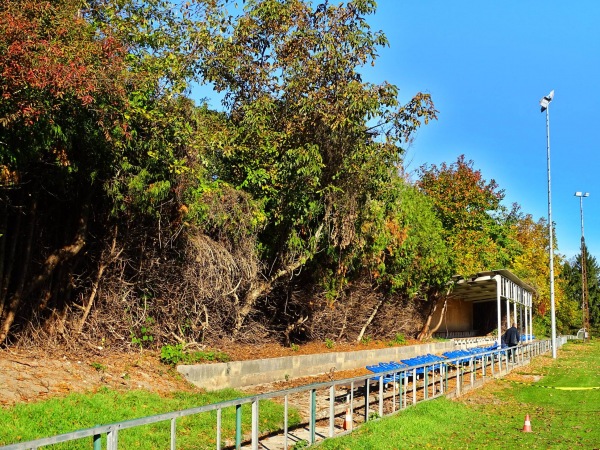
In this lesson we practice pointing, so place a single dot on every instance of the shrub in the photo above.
(176, 354)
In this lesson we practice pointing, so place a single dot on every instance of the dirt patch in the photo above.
(33, 375)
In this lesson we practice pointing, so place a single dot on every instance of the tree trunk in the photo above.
(427, 331)
(15, 302)
(104, 262)
(442, 315)
(263, 288)
(62, 254)
(3, 238)
(369, 320)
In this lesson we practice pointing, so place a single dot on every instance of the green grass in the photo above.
(30, 421)
(493, 416)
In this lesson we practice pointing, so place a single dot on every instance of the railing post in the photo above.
(380, 401)
(219, 418)
(352, 404)
(405, 388)
(238, 426)
(313, 414)
(367, 393)
(285, 423)
(173, 431)
(414, 386)
(331, 410)
(472, 366)
(425, 383)
(112, 439)
(394, 384)
(97, 442)
(255, 412)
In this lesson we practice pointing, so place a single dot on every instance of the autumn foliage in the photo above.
(133, 216)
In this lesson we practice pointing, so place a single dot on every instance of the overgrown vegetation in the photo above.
(177, 354)
(132, 217)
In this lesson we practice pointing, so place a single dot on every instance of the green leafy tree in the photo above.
(403, 246)
(571, 313)
(312, 139)
(477, 227)
(94, 133)
(532, 263)
(61, 92)
(475, 222)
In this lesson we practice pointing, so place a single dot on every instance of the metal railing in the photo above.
(329, 403)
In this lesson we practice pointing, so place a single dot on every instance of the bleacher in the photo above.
(395, 371)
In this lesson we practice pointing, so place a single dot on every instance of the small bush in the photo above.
(329, 343)
(175, 354)
(374, 416)
(399, 339)
(295, 347)
(99, 367)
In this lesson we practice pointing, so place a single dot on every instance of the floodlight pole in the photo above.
(584, 296)
(545, 104)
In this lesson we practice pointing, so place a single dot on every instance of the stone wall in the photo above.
(238, 374)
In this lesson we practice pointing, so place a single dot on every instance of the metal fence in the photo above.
(332, 408)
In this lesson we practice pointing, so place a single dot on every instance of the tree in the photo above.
(472, 215)
(93, 131)
(404, 246)
(305, 146)
(477, 228)
(532, 263)
(571, 275)
(61, 91)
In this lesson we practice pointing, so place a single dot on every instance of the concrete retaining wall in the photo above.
(249, 373)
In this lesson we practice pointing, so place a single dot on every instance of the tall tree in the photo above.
(91, 123)
(532, 263)
(305, 143)
(61, 93)
(475, 223)
(474, 220)
(572, 313)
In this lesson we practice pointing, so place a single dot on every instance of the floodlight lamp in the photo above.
(582, 194)
(545, 101)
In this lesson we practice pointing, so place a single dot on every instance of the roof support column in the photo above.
(530, 302)
(499, 315)
(526, 314)
(507, 313)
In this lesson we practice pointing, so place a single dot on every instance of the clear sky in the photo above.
(487, 64)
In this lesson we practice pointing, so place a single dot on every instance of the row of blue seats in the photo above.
(435, 361)
(465, 355)
(387, 367)
(527, 337)
(404, 367)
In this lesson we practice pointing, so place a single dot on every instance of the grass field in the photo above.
(561, 396)
(557, 394)
(30, 421)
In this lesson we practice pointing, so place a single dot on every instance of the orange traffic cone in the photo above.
(348, 420)
(527, 426)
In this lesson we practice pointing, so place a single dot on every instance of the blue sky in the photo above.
(487, 64)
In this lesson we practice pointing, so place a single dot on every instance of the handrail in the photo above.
(434, 383)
